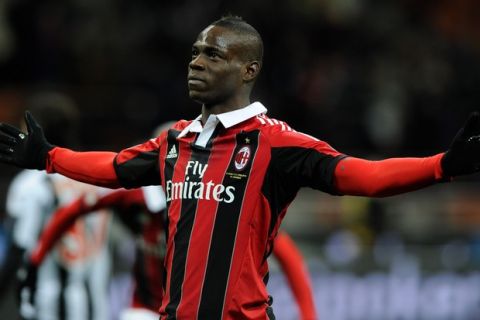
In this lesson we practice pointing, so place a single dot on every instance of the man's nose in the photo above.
(197, 63)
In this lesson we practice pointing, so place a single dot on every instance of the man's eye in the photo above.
(194, 53)
(213, 55)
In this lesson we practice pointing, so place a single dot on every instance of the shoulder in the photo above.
(280, 132)
(162, 135)
(269, 128)
(270, 125)
(181, 124)
(281, 135)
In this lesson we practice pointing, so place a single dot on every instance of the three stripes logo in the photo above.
(273, 122)
(172, 153)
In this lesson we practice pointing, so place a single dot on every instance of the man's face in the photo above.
(215, 71)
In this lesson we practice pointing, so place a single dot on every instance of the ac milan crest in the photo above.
(242, 157)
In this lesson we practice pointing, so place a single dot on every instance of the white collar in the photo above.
(228, 119)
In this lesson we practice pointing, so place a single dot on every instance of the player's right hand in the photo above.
(27, 286)
(24, 150)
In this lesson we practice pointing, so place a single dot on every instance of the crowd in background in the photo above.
(373, 78)
(365, 75)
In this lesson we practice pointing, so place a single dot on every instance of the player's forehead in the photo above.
(217, 37)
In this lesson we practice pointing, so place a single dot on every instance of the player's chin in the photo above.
(197, 96)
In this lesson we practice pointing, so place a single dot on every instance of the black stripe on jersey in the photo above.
(143, 170)
(305, 167)
(169, 166)
(292, 168)
(184, 229)
(225, 231)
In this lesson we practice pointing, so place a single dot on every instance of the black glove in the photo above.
(463, 157)
(24, 150)
(27, 287)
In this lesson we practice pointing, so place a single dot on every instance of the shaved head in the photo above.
(248, 35)
(226, 61)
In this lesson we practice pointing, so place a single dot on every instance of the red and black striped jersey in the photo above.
(228, 185)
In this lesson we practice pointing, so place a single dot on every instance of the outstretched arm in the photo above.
(90, 167)
(31, 150)
(354, 176)
(294, 267)
(360, 177)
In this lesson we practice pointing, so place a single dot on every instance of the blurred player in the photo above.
(73, 281)
(141, 211)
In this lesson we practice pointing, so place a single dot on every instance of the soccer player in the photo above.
(73, 281)
(229, 176)
(141, 211)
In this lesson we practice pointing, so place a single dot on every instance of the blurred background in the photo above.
(373, 78)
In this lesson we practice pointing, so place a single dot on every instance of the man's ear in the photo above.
(251, 71)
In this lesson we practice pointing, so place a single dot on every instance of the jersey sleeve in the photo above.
(295, 269)
(360, 177)
(90, 167)
(139, 165)
(303, 160)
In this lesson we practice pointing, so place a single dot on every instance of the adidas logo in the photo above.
(172, 153)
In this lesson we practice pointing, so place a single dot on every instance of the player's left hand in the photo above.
(463, 156)
(28, 151)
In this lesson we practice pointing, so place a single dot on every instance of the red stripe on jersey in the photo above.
(225, 228)
(166, 265)
(250, 245)
(207, 212)
(187, 192)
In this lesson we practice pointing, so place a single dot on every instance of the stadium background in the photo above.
(373, 78)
